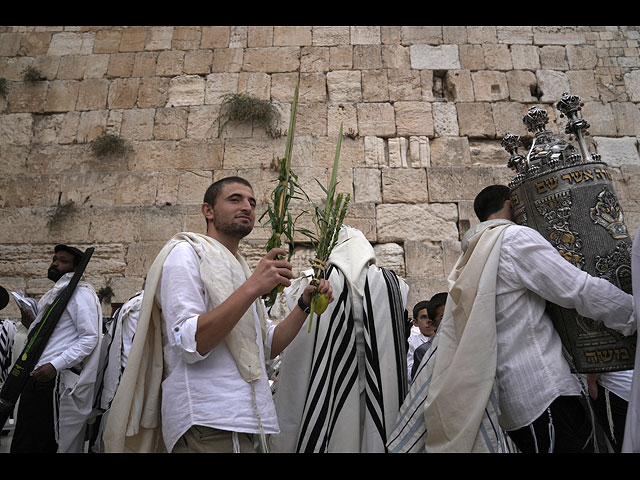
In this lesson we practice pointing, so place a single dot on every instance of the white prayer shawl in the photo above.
(340, 386)
(631, 442)
(134, 423)
(452, 405)
(117, 353)
(73, 394)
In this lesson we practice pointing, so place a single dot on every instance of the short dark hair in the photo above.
(490, 200)
(419, 306)
(437, 300)
(75, 252)
(211, 195)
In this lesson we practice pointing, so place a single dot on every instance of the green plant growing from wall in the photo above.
(108, 144)
(4, 87)
(242, 107)
(32, 74)
(105, 294)
(60, 212)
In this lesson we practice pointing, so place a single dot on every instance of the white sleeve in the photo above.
(182, 297)
(541, 269)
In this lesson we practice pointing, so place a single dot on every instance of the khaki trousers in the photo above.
(200, 439)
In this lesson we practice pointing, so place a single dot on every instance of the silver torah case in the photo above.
(567, 195)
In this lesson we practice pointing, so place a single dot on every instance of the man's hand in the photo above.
(26, 318)
(271, 272)
(44, 373)
(323, 287)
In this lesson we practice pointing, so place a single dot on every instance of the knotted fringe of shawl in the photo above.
(134, 420)
(333, 398)
(452, 402)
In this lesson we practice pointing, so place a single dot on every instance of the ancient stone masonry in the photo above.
(424, 110)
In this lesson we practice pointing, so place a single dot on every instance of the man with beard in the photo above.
(197, 363)
(57, 399)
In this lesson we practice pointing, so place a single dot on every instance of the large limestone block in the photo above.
(91, 125)
(618, 152)
(476, 119)
(451, 184)
(424, 258)
(445, 119)
(414, 118)
(366, 185)
(553, 84)
(344, 86)
(66, 43)
(440, 57)
(557, 35)
(16, 128)
(61, 96)
(423, 287)
(490, 86)
(376, 119)
(270, 60)
(391, 257)
(170, 123)
(121, 65)
(632, 84)
(329, 36)
(123, 93)
(92, 94)
(525, 57)
(521, 83)
(186, 90)
(404, 185)
(26, 97)
(627, 117)
(403, 221)
(446, 151)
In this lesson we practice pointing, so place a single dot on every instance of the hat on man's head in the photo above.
(4, 297)
(72, 250)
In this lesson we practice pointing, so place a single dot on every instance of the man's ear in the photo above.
(207, 211)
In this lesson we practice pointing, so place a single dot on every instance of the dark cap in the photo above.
(72, 250)
(4, 297)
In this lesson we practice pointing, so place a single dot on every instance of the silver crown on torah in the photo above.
(566, 193)
(546, 152)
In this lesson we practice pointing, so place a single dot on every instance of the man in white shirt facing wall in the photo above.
(215, 395)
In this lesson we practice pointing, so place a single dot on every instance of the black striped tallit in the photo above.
(334, 370)
(381, 285)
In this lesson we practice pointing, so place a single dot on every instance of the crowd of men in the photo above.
(191, 363)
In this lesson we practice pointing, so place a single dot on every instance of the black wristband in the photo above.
(303, 307)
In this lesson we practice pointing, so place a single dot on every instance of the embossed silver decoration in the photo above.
(566, 193)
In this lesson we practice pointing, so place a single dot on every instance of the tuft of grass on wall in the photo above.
(31, 74)
(4, 87)
(108, 144)
(59, 213)
(241, 107)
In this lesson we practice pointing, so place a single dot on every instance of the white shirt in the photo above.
(204, 390)
(532, 370)
(76, 334)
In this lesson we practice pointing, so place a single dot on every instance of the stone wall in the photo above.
(424, 110)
